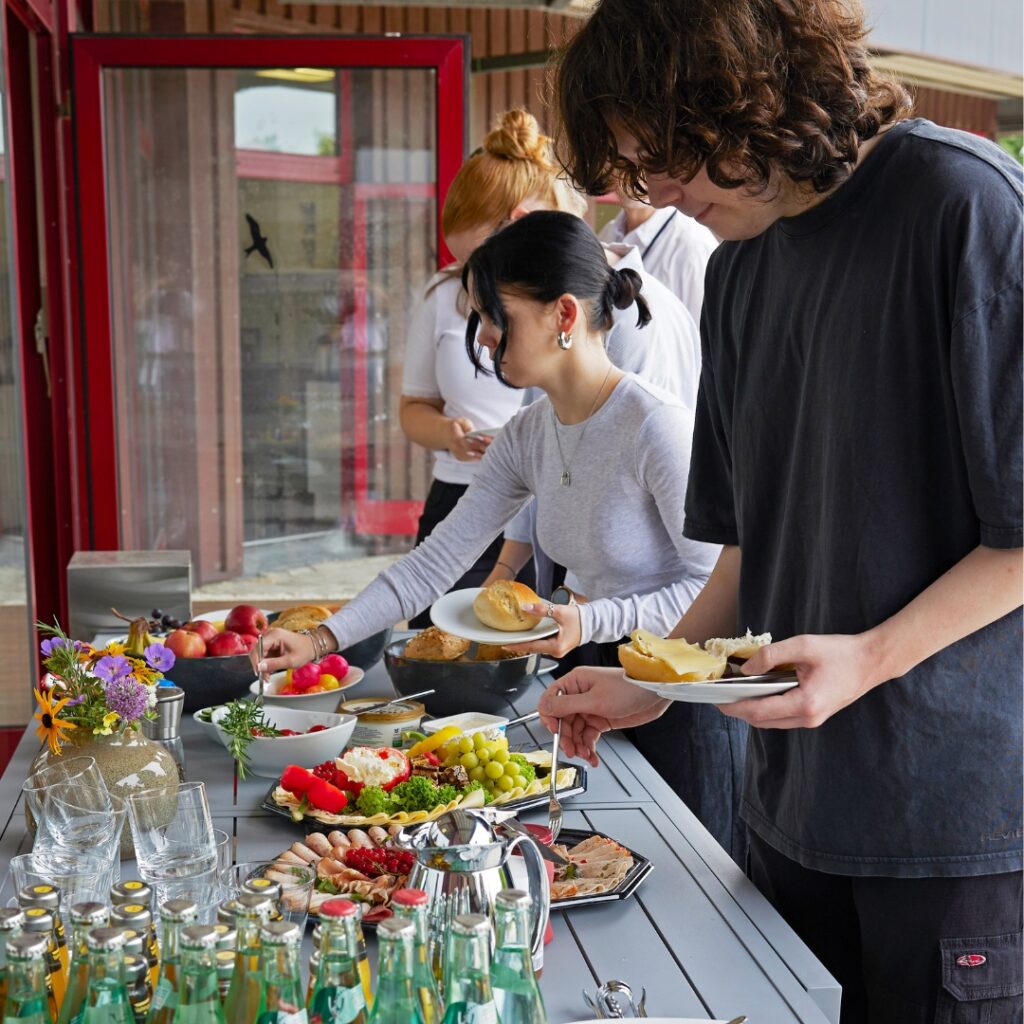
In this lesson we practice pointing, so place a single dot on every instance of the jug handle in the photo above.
(540, 890)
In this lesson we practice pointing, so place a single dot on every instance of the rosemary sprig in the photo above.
(242, 717)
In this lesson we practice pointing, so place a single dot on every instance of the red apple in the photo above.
(245, 618)
(249, 640)
(207, 630)
(225, 644)
(186, 644)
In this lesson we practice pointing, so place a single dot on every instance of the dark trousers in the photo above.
(696, 749)
(441, 499)
(905, 950)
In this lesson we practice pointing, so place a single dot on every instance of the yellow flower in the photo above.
(113, 649)
(109, 721)
(50, 726)
(145, 675)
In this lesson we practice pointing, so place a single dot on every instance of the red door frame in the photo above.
(28, 26)
(96, 425)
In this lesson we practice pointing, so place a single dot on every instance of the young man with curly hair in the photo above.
(857, 451)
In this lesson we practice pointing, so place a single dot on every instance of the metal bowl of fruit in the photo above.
(317, 686)
(463, 684)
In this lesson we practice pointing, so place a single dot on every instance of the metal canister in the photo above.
(140, 992)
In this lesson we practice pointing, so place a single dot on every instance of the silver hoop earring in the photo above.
(564, 340)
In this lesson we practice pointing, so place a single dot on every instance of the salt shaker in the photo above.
(164, 729)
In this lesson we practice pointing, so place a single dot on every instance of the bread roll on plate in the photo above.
(435, 644)
(650, 659)
(500, 606)
(739, 647)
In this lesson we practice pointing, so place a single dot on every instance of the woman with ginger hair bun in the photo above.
(444, 398)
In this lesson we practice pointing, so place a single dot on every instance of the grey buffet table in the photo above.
(697, 934)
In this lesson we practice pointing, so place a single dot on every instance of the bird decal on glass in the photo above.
(259, 241)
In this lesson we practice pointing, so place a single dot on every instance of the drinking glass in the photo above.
(84, 821)
(59, 779)
(296, 882)
(223, 845)
(174, 843)
(78, 876)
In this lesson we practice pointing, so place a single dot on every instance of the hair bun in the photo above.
(517, 136)
(624, 287)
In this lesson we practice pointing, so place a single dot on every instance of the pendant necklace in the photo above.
(566, 477)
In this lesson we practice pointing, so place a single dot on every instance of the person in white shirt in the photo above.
(445, 401)
(674, 249)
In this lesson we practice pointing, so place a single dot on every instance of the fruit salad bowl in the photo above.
(319, 700)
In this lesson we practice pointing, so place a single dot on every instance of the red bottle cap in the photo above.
(338, 908)
(410, 898)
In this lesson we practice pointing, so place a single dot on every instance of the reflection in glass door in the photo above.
(268, 229)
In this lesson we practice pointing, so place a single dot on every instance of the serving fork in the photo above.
(554, 807)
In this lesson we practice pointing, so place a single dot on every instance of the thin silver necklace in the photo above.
(566, 478)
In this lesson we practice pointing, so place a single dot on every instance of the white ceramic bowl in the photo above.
(269, 757)
(327, 700)
(208, 728)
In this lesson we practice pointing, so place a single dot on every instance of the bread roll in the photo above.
(303, 616)
(651, 659)
(494, 652)
(741, 647)
(500, 606)
(435, 644)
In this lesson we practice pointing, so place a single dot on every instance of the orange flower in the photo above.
(50, 726)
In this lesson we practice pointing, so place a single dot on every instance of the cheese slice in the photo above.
(685, 659)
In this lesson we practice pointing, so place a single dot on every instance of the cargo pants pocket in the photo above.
(982, 980)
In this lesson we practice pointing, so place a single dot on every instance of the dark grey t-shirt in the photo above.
(858, 432)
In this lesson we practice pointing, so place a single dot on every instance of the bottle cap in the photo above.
(199, 936)
(410, 898)
(133, 941)
(42, 895)
(513, 899)
(250, 907)
(131, 891)
(225, 963)
(134, 915)
(27, 946)
(338, 908)
(91, 913)
(11, 919)
(226, 911)
(105, 940)
(178, 910)
(135, 967)
(38, 919)
(262, 887)
(396, 928)
(280, 933)
(227, 937)
(470, 924)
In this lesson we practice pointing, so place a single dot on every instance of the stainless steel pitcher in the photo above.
(462, 865)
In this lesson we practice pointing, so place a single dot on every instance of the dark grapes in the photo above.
(171, 623)
(157, 614)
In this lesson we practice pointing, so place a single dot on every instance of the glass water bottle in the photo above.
(27, 1000)
(198, 993)
(40, 922)
(337, 990)
(469, 998)
(12, 921)
(174, 915)
(83, 917)
(281, 996)
(243, 999)
(414, 905)
(106, 999)
(396, 1001)
(516, 991)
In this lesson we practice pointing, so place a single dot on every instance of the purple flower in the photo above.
(80, 699)
(111, 667)
(127, 696)
(50, 647)
(159, 657)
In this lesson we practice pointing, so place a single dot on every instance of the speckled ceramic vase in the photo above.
(128, 762)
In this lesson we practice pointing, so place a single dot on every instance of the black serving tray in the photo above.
(641, 868)
(526, 803)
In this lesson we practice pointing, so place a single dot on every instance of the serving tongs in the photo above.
(261, 675)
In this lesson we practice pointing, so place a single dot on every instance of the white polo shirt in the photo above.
(674, 248)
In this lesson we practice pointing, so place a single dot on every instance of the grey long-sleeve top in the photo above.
(618, 527)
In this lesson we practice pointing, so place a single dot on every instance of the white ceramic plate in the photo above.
(454, 614)
(546, 665)
(325, 700)
(485, 432)
(724, 691)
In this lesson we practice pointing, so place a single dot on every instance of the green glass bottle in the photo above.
(83, 918)
(174, 914)
(516, 991)
(414, 905)
(469, 998)
(337, 991)
(140, 993)
(106, 1000)
(395, 1001)
(40, 921)
(139, 917)
(198, 994)
(243, 999)
(12, 920)
(281, 999)
(27, 1001)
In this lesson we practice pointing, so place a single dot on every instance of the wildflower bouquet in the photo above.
(97, 691)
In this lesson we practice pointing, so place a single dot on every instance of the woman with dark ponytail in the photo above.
(605, 453)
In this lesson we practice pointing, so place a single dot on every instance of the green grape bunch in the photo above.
(489, 762)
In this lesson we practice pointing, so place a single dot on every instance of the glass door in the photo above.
(258, 217)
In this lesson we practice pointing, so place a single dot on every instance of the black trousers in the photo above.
(441, 499)
(696, 749)
(905, 950)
